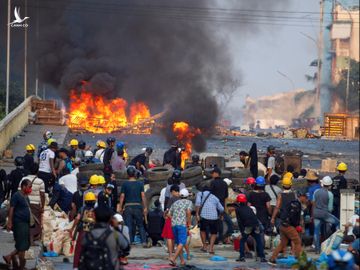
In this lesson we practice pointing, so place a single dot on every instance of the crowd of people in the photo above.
(108, 219)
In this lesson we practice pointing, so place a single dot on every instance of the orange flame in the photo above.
(184, 134)
(99, 115)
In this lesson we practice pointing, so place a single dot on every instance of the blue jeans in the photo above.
(256, 234)
(329, 218)
(133, 217)
(229, 223)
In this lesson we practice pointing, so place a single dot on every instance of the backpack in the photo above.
(293, 213)
(95, 254)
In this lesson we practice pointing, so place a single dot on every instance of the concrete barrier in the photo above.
(13, 123)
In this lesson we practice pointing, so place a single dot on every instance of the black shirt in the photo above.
(172, 157)
(155, 222)
(104, 200)
(141, 158)
(246, 217)
(14, 178)
(220, 189)
(21, 208)
(339, 182)
(259, 200)
(28, 162)
(77, 199)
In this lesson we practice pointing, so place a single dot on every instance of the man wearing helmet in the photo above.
(195, 161)
(339, 182)
(29, 156)
(15, 176)
(141, 161)
(46, 164)
(322, 208)
(248, 225)
(118, 160)
(44, 144)
(100, 151)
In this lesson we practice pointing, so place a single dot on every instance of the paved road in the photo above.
(32, 134)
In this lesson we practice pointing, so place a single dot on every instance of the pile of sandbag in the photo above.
(56, 236)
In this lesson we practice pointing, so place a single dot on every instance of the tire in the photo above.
(189, 182)
(240, 173)
(239, 182)
(219, 161)
(150, 195)
(121, 174)
(224, 173)
(159, 173)
(191, 172)
(157, 184)
(92, 167)
(204, 183)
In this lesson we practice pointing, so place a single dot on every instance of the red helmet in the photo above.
(241, 198)
(250, 181)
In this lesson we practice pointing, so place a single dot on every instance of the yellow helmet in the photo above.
(89, 196)
(94, 180)
(101, 180)
(288, 175)
(51, 140)
(74, 142)
(342, 167)
(287, 181)
(30, 147)
(101, 144)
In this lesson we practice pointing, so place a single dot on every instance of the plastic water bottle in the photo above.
(338, 239)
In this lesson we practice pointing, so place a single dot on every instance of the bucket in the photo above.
(236, 242)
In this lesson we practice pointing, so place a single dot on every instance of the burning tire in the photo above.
(191, 172)
(91, 167)
(159, 174)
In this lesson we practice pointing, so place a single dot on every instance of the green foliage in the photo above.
(15, 98)
(304, 263)
(354, 86)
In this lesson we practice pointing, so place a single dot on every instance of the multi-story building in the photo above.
(345, 39)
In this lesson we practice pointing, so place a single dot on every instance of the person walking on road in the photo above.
(15, 177)
(322, 208)
(290, 214)
(208, 208)
(133, 205)
(19, 221)
(46, 164)
(248, 225)
(180, 213)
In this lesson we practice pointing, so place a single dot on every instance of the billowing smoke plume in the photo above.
(172, 55)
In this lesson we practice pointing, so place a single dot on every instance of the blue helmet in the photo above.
(340, 259)
(120, 145)
(260, 181)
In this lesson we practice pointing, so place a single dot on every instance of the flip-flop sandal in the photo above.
(211, 252)
(172, 263)
(6, 260)
(203, 250)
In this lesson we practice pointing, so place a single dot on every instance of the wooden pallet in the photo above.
(42, 104)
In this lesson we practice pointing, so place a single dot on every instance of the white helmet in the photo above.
(48, 135)
(89, 154)
(327, 181)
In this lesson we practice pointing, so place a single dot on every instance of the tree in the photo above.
(15, 98)
(354, 86)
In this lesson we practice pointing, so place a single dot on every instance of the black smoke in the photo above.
(173, 55)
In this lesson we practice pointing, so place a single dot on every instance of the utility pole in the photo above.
(319, 61)
(8, 60)
(37, 43)
(25, 56)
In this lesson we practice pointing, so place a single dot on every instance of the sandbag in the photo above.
(43, 264)
(69, 248)
(195, 239)
(332, 243)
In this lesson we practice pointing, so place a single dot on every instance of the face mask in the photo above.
(28, 190)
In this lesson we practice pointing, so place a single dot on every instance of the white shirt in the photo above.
(37, 187)
(162, 198)
(100, 154)
(75, 171)
(44, 160)
(69, 181)
(354, 220)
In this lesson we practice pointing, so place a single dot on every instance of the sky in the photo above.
(273, 49)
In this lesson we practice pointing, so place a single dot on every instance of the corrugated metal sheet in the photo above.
(341, 30)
